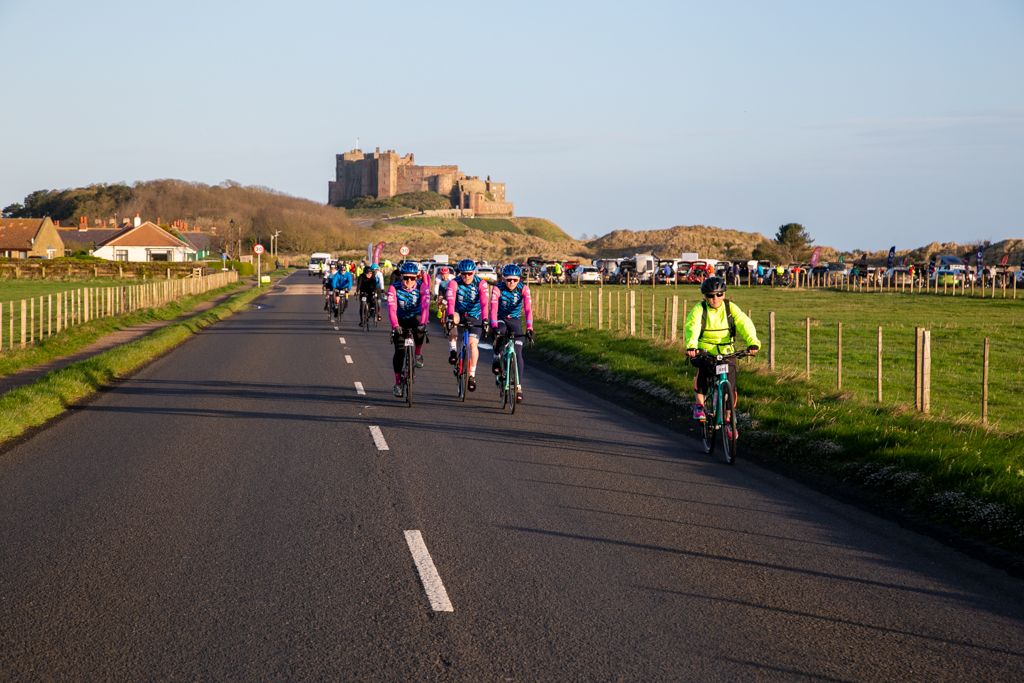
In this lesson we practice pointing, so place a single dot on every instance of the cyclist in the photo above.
(510, 303)
(712, 326)
(440, 288)
(408, 309)
(369, 288)
(340, 281)
(467, 301)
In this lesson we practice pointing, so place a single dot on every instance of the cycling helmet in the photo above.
(712, 285)
(409, 268)
(466, 265)
(511, 270)
(374, 266)
(443, 270)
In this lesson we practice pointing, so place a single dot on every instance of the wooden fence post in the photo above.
(632, 312)
(926, 371)
(839, 356)
(771, 340)
(590, 308)
(600, 309)
(641, 315)
(675, 316)
(24, 311)
(984, 385)
(49, 315)
(654, 310)
(878, 368)
(807, 346)
(664, 329)
(917, 368)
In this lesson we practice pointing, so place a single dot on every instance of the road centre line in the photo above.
(378, 438)
(359, 389)
(348, 359)
(431, 580)
(341, 339)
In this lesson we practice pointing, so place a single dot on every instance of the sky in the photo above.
(871, 123)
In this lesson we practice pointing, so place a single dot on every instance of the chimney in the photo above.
(138, 221)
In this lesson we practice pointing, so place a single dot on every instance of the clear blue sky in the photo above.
(872, 123)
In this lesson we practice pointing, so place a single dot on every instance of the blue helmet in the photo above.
(374, 266)
(511, 270)
(409, 268)
(466, 265)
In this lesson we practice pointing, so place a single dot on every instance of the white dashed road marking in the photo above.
(341, 339)
(348, 359)
(432, 584)
(378, 438)
(359, 389)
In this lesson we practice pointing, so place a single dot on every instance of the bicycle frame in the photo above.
(720, 400)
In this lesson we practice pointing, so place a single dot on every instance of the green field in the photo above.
(16, 290)
(491, 224)
(959, 326)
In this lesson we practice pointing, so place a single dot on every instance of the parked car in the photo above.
(486, 272)
(585, 274)
(898, 275)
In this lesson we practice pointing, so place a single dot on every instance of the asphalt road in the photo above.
(227, 514)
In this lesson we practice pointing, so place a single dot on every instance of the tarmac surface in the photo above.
(257, 505)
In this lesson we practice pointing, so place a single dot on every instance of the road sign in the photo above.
(404, 251)
(258, 249)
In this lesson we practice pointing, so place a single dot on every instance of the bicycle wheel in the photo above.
(707, 427)
(364, 316)
(513, 382)
(407, 375)
(460, 373)
(728, 426)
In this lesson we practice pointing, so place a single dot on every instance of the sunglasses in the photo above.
(511, 279)
(717, 295)
(408, 277)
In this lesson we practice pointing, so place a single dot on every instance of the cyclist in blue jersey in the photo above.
(510, 305)
(340, 281)
(466, 296)
(408, 309)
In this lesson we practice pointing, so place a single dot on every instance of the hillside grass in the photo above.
(491, 224)
(542, 228)
(946, 466)
(16, 290)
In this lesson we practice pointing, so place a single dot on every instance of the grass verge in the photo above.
(77, 338)
(33, 405)
(945, 473)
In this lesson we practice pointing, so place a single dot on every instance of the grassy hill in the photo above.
(707, 241)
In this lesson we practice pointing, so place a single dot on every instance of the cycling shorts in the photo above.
(706, 373)
(476, 326)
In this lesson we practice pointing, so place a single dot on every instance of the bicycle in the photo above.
(364, 313)
(720, 418)
(462, 358)
(408, 365)
(508, 373)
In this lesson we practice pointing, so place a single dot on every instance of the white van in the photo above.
(317, 259)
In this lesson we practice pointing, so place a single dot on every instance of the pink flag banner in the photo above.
(815, 257)
(376, 252)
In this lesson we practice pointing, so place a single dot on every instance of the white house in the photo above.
(144, 242)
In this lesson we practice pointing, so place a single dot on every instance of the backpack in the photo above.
(728, 317)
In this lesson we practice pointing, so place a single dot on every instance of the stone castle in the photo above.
(386, 174)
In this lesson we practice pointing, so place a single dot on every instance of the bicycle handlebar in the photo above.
(701, 353)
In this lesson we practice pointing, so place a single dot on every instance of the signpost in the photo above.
(258, 250)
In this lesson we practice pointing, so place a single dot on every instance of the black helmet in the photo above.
(712, 285)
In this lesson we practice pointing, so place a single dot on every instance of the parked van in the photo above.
(316, 259)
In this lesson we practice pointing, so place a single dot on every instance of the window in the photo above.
(158, 255)
(51, 253)
(121, 255)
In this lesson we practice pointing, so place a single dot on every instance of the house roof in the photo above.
(201, 241)
(18, 233)
(78, 239)
(146, 235)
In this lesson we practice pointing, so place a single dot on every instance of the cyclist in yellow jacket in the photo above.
(713, 325)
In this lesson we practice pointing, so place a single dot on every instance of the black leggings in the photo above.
(515, 327)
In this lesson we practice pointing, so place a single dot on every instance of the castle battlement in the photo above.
(386, 174)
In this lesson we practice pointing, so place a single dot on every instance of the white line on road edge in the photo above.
(378, 438)
(341, 339)
(348, 359)
(436, 593)
(359, 389)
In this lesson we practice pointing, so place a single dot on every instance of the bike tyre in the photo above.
(461, 373)
(513, 377)
(707, 427)
(728, 427)
(409, 364)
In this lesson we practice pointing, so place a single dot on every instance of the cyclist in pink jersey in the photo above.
(408, 309)
(511, 306)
